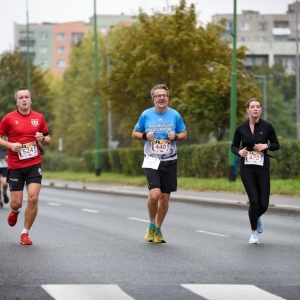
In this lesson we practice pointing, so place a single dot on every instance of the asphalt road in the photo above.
(90, 246)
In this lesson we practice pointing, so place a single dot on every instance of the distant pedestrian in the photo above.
(257, 137)
(25, 129)
(3, 174)
(160, 126)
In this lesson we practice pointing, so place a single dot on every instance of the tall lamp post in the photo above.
(297, 75)
(97, 99)
(231, 156)
(265, 94)
(27, 48)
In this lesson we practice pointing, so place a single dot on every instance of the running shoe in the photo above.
(260, 226)
(1, 205)
(5, 198)
(158, 237)
(254, 239)
(25, 240)
(150, 234)
(12, 218)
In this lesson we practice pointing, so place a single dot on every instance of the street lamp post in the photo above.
(27, 48)
(97, 99)
(231, 156)
(265, 94)
(109, 126)
(297, 75)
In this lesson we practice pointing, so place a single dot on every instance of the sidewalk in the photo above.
(278, 204)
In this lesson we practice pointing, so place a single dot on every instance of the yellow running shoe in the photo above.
(150, 234)
(158, 237)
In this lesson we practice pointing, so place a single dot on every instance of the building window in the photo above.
(61, 36)
(44, 64)
(263, 26)
(23, 35)
(263, 39)
(76, 37)
(228, 26)
(281, 24)
(24, 49)
(297, 25)
(61, 49)
(245, 26)
(44, 36)
(61, 63)
(280, 38)
(245, 39)
(43, 49)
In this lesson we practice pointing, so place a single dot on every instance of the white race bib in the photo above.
(254, 158)
(151, 162)
(28, 150)
(3, 163)
(160, 146)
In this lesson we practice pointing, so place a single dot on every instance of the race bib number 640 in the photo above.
(28, 150)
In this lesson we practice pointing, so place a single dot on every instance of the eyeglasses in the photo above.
(160, 95)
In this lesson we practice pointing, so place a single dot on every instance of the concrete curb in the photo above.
(207, 201)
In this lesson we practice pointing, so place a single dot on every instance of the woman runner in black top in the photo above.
(257, 137)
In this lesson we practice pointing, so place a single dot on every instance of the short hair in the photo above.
(159, 86)
(251, 100)
(22, 89)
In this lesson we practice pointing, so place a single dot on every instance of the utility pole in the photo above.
(27, 48)
(297, 74)
(97, 99)
(231, 156)
(109, 126)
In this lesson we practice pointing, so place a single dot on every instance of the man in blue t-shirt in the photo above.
(160, 126)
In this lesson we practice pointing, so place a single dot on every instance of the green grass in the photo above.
(288, 187)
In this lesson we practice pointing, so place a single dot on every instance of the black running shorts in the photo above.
(165, 178)
(17, 177)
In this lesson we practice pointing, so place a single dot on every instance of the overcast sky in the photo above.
(60, 11)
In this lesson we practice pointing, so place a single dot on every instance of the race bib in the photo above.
(28, 150)
(151, 162)
(254, 158)
(3, 163)
(160, 146)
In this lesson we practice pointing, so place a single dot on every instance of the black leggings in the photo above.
(257, 185)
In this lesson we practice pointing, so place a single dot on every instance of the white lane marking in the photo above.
(136, 219)
(86, 292)
(212, 233)
(90, 210)
(53, 204)
(230, 292)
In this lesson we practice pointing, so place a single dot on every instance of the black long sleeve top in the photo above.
(264, 133)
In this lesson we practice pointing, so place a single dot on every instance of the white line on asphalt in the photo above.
(230, 292)
(90, 210)
(136, 219)
(87, 292)
(212, 233)
(53, 204)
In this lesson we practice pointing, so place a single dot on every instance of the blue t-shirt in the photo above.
(160, 124)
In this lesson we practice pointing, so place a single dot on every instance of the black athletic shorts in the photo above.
(3, 172)
(17, 177)
(165, 178)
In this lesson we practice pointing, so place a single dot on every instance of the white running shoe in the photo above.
(254, 239)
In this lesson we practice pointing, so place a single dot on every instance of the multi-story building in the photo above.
(269, 38)
(50, 43)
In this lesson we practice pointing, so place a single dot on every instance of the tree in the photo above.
(192, 60)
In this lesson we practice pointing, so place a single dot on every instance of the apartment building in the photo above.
(269, 38)
(51, 43)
